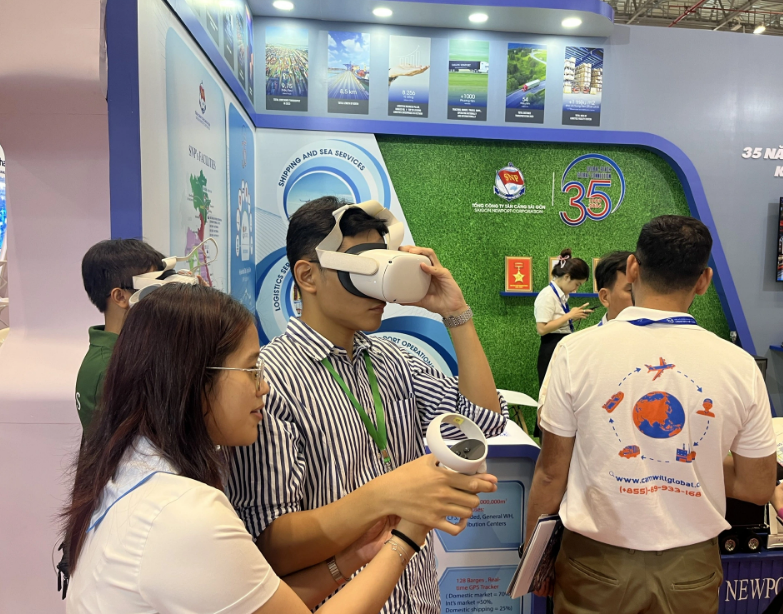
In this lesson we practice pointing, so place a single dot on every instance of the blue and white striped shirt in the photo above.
(313, 448)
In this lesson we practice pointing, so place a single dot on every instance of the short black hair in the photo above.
(673, 251)
(310, 224)
(607, 268)
(568, 265)
(112, 264)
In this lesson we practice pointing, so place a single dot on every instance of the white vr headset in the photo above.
(468, 456)
(147, 282)
(375, 270)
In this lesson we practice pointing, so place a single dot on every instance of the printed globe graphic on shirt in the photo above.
(659, 415)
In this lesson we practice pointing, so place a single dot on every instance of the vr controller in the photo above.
(466, 456)
(375, 270)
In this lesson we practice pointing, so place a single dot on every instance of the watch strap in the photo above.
(335, 571)
(458, 320)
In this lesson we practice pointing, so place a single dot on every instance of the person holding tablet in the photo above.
(149, 528)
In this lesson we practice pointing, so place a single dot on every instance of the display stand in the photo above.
(750, 581)
(475, 567)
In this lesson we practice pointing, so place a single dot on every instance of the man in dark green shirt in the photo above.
(89, 382)
(108, 268)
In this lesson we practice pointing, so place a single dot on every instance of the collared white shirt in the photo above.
(603, 321)
(549, 306)
(314, 449)
(161, 542)
(655, 410)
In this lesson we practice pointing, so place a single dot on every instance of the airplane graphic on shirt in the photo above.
(659, 369)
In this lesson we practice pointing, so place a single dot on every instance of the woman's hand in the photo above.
(580, 313)
(364, 549)
(418, 533)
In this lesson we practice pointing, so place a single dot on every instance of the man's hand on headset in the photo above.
(444, 296)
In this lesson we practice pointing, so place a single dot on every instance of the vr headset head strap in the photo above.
(330, 258)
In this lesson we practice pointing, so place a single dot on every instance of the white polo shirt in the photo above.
(549, 306)
(169, 544)
(655, 410)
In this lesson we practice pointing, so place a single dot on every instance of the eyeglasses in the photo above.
(257, 371)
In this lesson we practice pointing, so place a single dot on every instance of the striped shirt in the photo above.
(313, 448)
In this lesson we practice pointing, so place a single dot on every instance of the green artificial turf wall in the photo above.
(438, 180)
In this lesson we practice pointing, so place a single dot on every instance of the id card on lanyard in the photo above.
(378, 434)
(563, 304)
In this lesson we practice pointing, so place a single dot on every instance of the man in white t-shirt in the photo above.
(640, 415)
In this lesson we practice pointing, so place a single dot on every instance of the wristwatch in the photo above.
(335, 571)
(463, 318)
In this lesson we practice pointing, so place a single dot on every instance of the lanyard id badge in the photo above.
(378, 434)
(676, 321)
(563, 304)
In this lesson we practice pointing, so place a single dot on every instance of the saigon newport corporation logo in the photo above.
(509, 183)
(202, 98)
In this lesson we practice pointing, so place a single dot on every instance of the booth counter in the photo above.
(475, 567)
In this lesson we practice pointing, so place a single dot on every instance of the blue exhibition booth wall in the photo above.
(209, 138)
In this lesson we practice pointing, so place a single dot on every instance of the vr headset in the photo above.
(147, 282)
(375, 270)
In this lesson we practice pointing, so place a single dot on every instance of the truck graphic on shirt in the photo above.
(630, 452)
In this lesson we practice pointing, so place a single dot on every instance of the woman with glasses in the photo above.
(150, 530)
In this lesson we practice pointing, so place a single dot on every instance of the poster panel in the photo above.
(348, 72)
(242, 192)
(287, 66)
(409, 76)
(240, 35)
(196, 130)
(468, 80)
(251, 84)
(583, 74)
(525, 83)
(229, 33)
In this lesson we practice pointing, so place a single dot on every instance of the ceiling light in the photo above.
(478, 17)
(571, 22)
(382, 11)
(759, 29)
(283, 5)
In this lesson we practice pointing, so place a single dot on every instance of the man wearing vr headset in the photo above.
(108, 269)
(342, 442)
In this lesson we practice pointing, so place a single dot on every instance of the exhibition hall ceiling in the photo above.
(582, 17)
(726, 15)
(594, 17)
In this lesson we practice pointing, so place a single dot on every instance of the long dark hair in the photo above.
(568, 265)
(156, 385)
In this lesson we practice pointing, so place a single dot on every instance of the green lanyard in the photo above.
(378, 435)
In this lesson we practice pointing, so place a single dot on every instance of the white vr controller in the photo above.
(375, 270)
(147, 282)
(468, 456)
